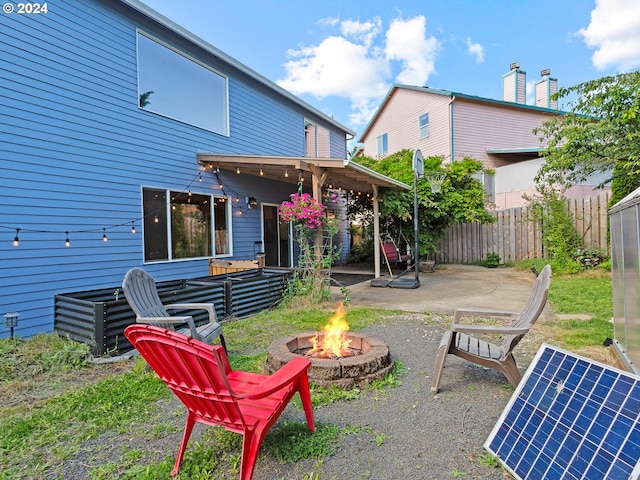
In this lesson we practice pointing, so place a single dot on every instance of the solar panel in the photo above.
(570, 418)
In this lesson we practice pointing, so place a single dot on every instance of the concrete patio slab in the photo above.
(451, 287)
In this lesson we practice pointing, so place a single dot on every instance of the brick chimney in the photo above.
(514, 85)
(545, 87)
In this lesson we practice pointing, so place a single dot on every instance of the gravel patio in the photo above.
(405, 432)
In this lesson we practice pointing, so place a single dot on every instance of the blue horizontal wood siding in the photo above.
(75, 152)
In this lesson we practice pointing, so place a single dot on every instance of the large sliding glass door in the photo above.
(277, 238)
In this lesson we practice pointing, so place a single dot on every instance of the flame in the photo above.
(333, 342)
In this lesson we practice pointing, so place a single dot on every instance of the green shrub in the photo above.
(590, 257)
(493, 260)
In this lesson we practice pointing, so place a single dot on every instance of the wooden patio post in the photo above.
(376, 233)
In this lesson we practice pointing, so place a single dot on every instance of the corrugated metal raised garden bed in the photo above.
(99, 317)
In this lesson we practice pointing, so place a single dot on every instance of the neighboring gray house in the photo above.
(127, 141)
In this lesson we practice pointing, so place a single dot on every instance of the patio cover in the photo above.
(516, 154)
(337, 172)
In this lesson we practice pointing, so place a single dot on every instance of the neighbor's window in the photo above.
(176, 86)
(382, 144)
(183, 226)
(423, 122)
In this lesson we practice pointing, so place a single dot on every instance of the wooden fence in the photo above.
(515, 236)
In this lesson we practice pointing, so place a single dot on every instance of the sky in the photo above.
(343, 57)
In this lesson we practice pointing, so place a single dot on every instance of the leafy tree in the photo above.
(461, 198)
(600, 134)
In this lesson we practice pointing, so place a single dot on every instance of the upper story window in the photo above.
(179, 225)
(423, 123)
(179, 87)
(316, 140)
(382, 145)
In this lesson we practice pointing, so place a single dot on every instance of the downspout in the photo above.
(451, 131)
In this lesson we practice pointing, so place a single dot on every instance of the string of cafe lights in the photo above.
(68, 233)
(226, 193)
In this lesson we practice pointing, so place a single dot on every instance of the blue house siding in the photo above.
(338, 144)
(76, 151)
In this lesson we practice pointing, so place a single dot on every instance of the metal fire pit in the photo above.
(370, 360)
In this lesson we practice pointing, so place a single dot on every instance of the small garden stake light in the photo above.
(11, 321)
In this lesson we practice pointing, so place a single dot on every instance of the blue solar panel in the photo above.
(570, 418)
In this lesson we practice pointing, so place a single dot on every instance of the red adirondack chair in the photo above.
(214, 394)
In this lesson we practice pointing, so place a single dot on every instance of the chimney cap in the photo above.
(546, 72)
(514, 66)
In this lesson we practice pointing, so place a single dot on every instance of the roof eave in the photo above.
(350, 170)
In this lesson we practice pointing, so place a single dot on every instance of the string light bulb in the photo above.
(16, 240)
(67, 242)
(261, 172)
(200, 177)
(104, 235)
(286, 173)
(133, 228)
(238, 169)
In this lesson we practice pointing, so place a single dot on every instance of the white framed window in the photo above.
(382, 144)
(184, 225)
(177, 86)
(423, 124)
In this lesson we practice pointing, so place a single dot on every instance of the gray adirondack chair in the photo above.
(142, 295)
(460, 341)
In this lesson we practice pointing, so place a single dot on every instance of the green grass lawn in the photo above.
(37, 434)
(588, 293)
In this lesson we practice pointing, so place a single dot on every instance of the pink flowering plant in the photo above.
(304, 210)
(315, 260)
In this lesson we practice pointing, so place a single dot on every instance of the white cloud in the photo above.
(328, 21)
(335, 67)
(357, 65)
(408, 42)
(614, 31)
(476, 49)
(365, 32)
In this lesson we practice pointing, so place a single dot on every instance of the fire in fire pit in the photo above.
(333, 341)
(338, 357)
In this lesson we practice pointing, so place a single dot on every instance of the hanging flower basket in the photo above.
(304, 210)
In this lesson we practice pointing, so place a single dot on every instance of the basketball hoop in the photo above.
(435, 180)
